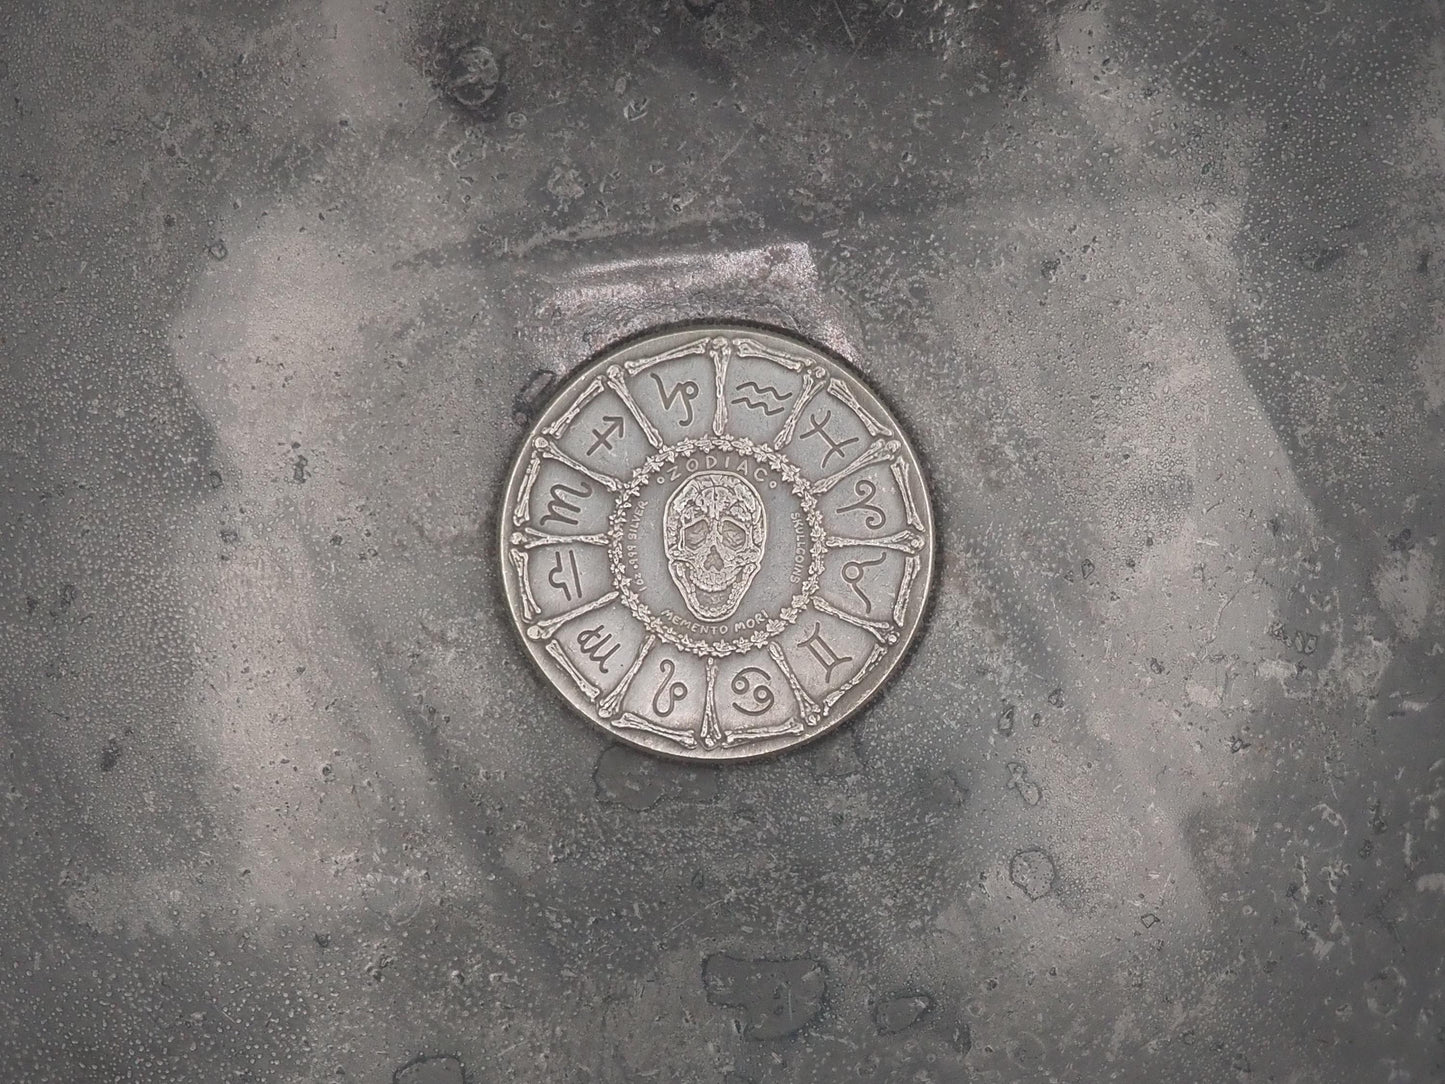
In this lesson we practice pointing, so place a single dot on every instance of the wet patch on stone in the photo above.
(837, 756)
(431, 1069)
(777, 998)
(466, 71)
(941, 792)
(1033, 871)
(637, 781)
(1019, 781)
(1384, 992)
(900, 1012)
(472, 75)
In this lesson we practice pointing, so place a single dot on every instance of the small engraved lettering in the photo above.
(800, 548)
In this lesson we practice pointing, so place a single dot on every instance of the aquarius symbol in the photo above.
(820, 429)
(853, 573)
(758, 403)
(686, 390)
(556, 575)
(867, 489)
(753, 682)
(560, 500)
(827, 658)
(669, 692)
(592, 641)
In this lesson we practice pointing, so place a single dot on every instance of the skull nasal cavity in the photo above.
(713, 562)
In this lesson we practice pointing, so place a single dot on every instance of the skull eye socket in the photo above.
(733, 535)
(695, 533)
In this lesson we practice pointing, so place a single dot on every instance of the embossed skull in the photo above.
(714, 528)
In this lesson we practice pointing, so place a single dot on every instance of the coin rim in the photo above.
(909, 639)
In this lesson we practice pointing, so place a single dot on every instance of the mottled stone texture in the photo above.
(1155, 288)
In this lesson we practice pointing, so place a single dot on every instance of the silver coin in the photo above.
(717, 542)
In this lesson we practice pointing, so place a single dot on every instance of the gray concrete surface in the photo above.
(1156, 288)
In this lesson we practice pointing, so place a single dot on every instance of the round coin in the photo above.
(716, 542)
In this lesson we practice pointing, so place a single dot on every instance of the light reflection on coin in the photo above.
(716, 542)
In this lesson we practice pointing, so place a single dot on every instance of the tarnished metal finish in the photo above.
(716, 542)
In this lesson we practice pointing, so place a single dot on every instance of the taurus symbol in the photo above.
(853, 573)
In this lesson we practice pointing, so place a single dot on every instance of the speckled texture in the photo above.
(1155, 289)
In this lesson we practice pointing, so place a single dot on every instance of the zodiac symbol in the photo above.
(560, 499)
(874, 517)
(758, 403)
(615, 428)
(753, 681)
(592, 641)
(827, 658)
(669, 692)
(820, 429)
(686, 390)
(853, 573)
(556, 576)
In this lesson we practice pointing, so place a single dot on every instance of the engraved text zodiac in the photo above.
(752, 683)
(683, 390)
(669, 692)
(561, 508)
